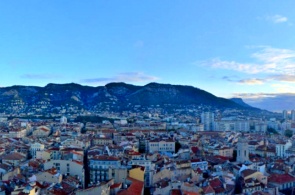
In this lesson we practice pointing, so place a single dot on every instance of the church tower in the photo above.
(242, 150)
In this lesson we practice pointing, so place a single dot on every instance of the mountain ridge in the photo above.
(116, 95)
(241, 102)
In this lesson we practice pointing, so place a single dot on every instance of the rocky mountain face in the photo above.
(119, 95)
(240, 102)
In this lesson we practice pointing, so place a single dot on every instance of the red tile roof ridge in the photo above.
(115, 185)
(281, 178)
(135, 188)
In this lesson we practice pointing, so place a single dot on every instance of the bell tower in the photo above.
(242, 150)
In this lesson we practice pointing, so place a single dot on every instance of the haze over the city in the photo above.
(229, 48)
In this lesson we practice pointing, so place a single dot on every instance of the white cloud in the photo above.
(259, 81)
(273, 55)
(122, 77)
(266, 60)
(283, 88)
(286, 78)
(39, 76)
(254, 95)
(277, 18)
(232, 65)
(252, 81)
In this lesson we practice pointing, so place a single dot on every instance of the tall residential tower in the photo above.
(207, 118)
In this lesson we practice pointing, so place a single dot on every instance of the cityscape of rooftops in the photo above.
(147, 97)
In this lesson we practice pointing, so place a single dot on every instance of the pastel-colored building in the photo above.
(137, 173)
(42, 131)
(50, 176)
(161, 145)
(68, 167)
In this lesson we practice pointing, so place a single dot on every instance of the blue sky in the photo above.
(229, 48)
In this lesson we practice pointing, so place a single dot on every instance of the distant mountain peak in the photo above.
(63, 84)
(241, 102)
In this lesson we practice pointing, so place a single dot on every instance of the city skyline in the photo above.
(230, 49)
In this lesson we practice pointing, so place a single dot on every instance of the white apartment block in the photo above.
(18, 133)
(36, 147)
(161, 145)
(272, 123)
(232, 125)
(282, 147)
(242, 126)
(260, 127)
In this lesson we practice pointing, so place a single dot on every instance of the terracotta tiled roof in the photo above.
(77, 153)
(105, 158)
(78, 162)
(13, 156)
(222, 157)
(281, 178)
(71, 149)
(189, 193)
(199, 171)
(52, 171)
(41, 186)
(163, 183)
(133, 153)
(176, 192)
(195, 149)
(255, 159)
(219, 190)
(34, 164)
(215, 183)
(134, 189)
(247, 172)
(5, 167)
(44, 129)
(196, 160)
(116, 185)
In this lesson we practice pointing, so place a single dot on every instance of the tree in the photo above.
(272, 131)
(238, 186)
(147, 191)
(235, 155)
(288, 133)
(177, 146)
